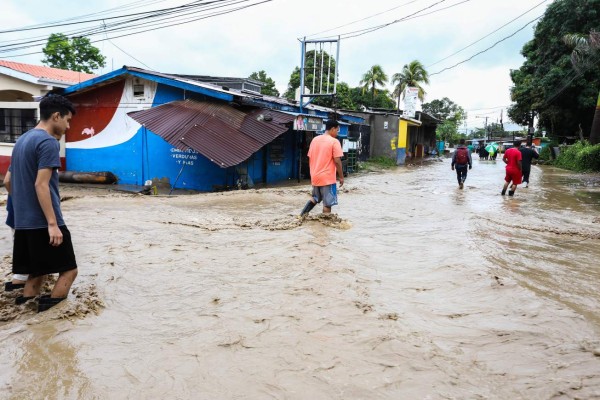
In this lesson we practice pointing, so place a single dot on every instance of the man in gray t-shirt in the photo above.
(42, 243)
(36, 151)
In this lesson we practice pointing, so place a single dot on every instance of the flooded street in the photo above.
(416, 290)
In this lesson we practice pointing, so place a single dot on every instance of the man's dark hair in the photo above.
(517, 143)
(462, 141)
(52, 103)
(332, 123)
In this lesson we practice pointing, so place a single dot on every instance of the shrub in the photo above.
(546, 154)
(581, 156)
(378, 162)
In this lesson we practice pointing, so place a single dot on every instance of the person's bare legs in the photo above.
(505, 187)
(326, 210)
(33, 286)
(63, 283)
(19, 279)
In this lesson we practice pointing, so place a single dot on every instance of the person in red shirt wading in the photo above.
(325, 161)
(512, 158)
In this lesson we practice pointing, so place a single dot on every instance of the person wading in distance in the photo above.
(461, 160)
(512, 158)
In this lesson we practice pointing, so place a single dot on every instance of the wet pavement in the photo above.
(416, 289)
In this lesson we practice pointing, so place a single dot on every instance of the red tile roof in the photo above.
(39, 71)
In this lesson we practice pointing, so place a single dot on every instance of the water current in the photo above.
(415, 289)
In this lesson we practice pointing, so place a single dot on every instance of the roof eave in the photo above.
(149, 76)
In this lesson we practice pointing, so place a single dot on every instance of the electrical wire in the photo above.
(564, 85)
(103, 28)
(362, 19)
(54, 25)
(487, 49)
(360, 32)
(127, 6)
(159, 24)
(489, 34)
(111, 42)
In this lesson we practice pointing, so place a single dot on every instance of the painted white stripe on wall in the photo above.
(121, 127)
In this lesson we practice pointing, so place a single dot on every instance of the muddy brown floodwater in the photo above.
(415, 290)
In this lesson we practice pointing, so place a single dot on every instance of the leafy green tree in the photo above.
(381, 99)
(413, 74)
(496, 129)
(269, 88)
(312, 77)
(479, 133)
(546, 82)
(374, 77)
(445, 109)
(447, 131)
(586, 48)
(344, 97)
(76, 54)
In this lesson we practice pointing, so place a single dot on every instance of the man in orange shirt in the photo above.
(512, 158)
(325, 160)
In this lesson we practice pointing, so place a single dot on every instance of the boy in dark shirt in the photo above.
(528, 154)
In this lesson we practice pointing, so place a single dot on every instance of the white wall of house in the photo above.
(17, 91)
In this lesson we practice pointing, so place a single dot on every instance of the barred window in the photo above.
(14, 122)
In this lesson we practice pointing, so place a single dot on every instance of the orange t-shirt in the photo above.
(322, 152)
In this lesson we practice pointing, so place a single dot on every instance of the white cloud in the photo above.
(265, 37)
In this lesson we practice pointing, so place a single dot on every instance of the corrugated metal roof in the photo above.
(223, 134)
(40, 71)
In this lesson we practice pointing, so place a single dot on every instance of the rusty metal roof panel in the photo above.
(221, 133)
(272, 116)
(221, 143)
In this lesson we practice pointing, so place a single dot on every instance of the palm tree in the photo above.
(412, 75)
(373, 77)
(585, 50)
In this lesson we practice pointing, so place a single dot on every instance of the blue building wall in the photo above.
(184, 169)
(281, 170)
(148, 156)
(124, 160)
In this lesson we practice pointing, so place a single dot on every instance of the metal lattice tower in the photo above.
(320, 84)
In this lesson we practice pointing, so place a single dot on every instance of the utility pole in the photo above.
(485, 127)
(531, 129)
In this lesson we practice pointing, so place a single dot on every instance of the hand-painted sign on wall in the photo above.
(184, 157)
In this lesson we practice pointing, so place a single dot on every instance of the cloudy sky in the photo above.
(265, 36)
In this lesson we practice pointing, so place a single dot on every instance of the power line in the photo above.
(362, 19)
(174, 21)
(489, 48)
(489, 34)
(578, 72)
(127, 6)
(64, 23)
(487, 108)
(147, 18)
(360, 32)
(111, 42)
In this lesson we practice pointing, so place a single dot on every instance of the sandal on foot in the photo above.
(22, 299)
(9, 286)
(46, 303)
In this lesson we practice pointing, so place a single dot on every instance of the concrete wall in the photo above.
(383, 138)
(13, 89)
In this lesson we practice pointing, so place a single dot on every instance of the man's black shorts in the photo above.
(33, 254)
